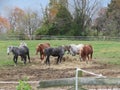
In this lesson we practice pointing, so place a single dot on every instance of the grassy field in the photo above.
(104, 51)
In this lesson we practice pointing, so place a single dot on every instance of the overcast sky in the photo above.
(6, 5)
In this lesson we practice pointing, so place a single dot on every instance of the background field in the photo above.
(104, 51)
(106, 61)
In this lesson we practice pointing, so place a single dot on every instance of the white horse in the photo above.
(75, 49)
(22, 44)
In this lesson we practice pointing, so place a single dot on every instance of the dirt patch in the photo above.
(36, 70)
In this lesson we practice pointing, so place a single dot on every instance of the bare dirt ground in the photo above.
(37, 71)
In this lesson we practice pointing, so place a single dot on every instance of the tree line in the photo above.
(64, 18)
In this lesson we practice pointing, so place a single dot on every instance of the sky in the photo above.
(7, 5)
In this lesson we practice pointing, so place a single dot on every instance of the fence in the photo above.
(51, 37)
(100, 80)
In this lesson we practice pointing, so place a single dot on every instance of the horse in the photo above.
(40, 48)
(73, 49)
(19, 51)
(22, 44)
(56, 52)
(86, 52)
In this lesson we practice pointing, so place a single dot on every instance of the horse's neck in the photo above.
(13, 51)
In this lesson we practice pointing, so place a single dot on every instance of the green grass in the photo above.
(104, 51)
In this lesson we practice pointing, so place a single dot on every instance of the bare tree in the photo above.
(24, 22)
(31, 22)
(84, 11)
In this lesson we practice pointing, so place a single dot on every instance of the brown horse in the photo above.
(40, 48)
(86, 52)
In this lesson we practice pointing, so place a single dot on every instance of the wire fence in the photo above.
(52, 37)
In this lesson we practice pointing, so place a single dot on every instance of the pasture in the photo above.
(106, 60)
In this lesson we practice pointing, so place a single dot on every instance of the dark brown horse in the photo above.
(40, 48)
(86, 53)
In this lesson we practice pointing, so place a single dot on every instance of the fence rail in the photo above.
(81, 81)
(16, 82)
(52, 37)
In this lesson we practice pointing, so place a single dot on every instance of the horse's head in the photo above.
(72, 50)
(9, 49)
(67, 48)
(37, 50)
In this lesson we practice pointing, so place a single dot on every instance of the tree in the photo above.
(113, 19)
(108, 20)
(56, 18)
(84, 11)
(24, 23)
(4, 25)
(54, 6)
(63, 21)
(31, 23)
(15, 18)
(99, 22)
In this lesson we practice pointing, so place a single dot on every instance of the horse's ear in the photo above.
(69, 46)
(41, 45)
(49, 44)
(11, 46)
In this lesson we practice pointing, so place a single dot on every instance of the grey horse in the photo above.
(19, 51)
(56, 52)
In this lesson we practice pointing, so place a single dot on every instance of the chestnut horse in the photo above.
(86, 52)
(40, 48)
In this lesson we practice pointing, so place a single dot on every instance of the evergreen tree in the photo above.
(57, 19)
(113, 19)
(63, 21)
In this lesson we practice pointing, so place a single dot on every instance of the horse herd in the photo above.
(83, 50)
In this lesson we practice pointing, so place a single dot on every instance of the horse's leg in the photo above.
(24, 58)
(14, 59)
(80, 57)
(87, 58)
(21, 58)
(28, 57)
(47, 60)
(41, 55)
(91, 56)
(58, 59)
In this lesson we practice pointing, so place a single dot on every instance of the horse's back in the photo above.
(45, 44)
(42, 46)
(74, 49)
(24, 49)
(54, 51)
(48, 50)
(89, 48)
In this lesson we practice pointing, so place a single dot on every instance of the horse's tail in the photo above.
(91, 52)
(91, 55)
(28, 56)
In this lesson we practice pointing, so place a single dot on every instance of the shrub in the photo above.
(23, 85)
